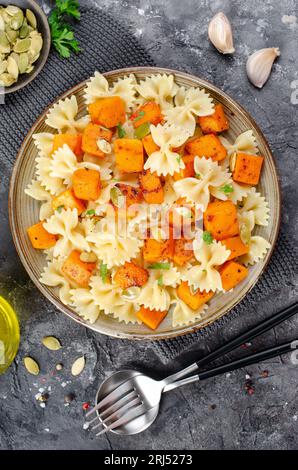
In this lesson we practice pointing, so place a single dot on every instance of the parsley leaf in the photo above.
(60, 208)
(160, 280)
(227, 188)
(207, 237)
(121, 131)
(139, 116)
(62, 34)
(90, 212)
(103, 272)
(160, 266)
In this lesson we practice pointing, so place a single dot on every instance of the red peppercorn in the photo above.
(86, 406)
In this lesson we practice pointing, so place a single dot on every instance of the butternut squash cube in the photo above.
(236, 247)
(40, 238)
(130, 274)
(208, 146)
(148, 112)
(155, 250)
(247, 168)
(108, 112)
(151, 187)
(68, 200)
(74, 142)
(194, 301)
(149, 145)
(231, 274)
(92, 133)
(214, 123)
(182, 251)
(151, 318)
(129, 155)
(86, 184)
(76, 270)
(220, 219)
(188, 171)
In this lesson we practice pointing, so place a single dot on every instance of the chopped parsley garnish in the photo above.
(103, 271)
(160, 266)
(90, 212)
(121, 131)
(139, 116)
(178, 159)
(60, 208)
(207, 237)
(227, 188)
(198, 176)
(160, 280)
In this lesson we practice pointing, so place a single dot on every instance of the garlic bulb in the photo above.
(220, 33)
(259, 65)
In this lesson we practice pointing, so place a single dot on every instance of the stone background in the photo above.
(217, 414)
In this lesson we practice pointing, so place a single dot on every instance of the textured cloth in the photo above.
(106, 45)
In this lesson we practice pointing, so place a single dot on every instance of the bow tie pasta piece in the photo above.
(52, 276)
(37, 192)
(205, 275)
(245, 142)
(188, 105)
(43, 174)
(153, 295)
(209, 179)
(258, 248)
(158, 88)
(256, 203)
(44, 142)
(62, 116)
(84, 303)
(166, 161)
(183, 314)
(109, 298)
(98, 87)
(65, 224)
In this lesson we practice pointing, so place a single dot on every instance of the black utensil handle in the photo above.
(248, 360)
(249, 335)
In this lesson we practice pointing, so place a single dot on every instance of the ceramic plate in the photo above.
(24, 212)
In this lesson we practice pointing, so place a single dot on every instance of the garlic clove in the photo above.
(220, 33)
(259, 65)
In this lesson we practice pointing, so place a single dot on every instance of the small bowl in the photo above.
(44, 29)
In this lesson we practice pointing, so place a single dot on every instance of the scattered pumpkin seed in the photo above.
(23, 62)
(2, 23)
(131, 293)
(6, 79)
(12, 67)
(88, 257)
(4, 43)
(22, 45)
(117, 197)
(31, 365)
(78, 366)
(11, 34)
(232, 161)
(12, 10)
(3, 66)
(24, 31)
(31, 18)
(17, 20)
(29, 69)
(51, 343)
(245, 233)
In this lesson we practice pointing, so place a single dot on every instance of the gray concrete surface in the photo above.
(217, 414)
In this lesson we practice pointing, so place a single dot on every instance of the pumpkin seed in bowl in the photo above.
(20, 43)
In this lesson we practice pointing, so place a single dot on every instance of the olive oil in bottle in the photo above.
(9, 334)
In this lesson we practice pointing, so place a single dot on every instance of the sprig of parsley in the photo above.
(207, 237)
(62, 34)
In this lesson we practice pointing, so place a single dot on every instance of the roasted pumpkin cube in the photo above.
(148, 112)
(130, 206)
(40, 238)
(129, 275)
(220, 219)
(74, 142)
(188, 171)
(129, 155)
(247, 168)
(86, 184)
(214, 123)
(149, 145)
(236, 247)
(208, 146)
(196, 300)
(91, 135)
(157, 250)
(108, 112)
(76, 270)
(183, 251)
(68, 200)
(151, 318)
(151, 187)
(231, 274)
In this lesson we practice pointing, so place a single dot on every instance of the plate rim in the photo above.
(188, 329)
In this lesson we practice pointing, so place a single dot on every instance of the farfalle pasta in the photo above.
(146, 209)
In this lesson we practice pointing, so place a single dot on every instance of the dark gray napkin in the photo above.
(106, 45)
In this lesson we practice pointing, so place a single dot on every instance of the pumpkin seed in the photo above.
(51, 343)
(29, 69)
(6, 79)
(31, 18)
(12, 67)
(36, 43)
(131, 293)
(12, 10)
(6, 16)
(104, 146)
(17, 20)
(31, 365)
(22, 45)
(88, 257)
(3, 66)
(117, 197)
(4, 43)
(2, 23)
(232, 161)
(11, 34)
(23, 62)
(24, 31)
(245, 233)
(78, 366)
